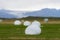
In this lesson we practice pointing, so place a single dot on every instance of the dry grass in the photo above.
(41, 21)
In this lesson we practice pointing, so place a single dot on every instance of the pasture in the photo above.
(50, 31)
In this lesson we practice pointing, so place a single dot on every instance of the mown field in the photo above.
(10, 31)
(50, 30)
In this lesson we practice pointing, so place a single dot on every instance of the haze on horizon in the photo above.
(29, 5)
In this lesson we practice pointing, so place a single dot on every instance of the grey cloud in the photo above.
(29, 4)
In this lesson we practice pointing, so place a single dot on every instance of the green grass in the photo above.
(12, 31)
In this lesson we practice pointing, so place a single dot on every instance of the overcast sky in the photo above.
(29, 5)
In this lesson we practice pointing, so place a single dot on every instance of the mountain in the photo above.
(46, 12)
(11, 14)
(5, 14)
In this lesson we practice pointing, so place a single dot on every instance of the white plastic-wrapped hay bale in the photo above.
(33, 29)
(36, 23)
(27, 23)
(17, 22)
(46, 20)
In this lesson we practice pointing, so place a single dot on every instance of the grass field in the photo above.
(49, 32)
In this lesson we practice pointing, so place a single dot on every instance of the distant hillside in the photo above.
(5, 14)
(46, 12)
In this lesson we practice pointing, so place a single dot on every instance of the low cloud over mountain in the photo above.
(46, 12)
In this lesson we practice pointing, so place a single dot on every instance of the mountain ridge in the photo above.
(46, 12)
